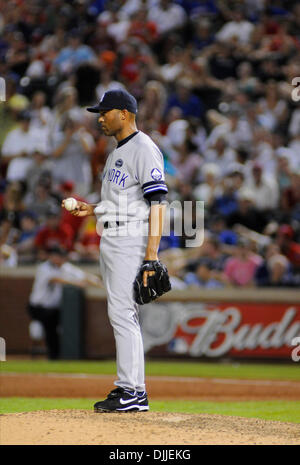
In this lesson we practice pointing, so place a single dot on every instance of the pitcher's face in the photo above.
(111, 121)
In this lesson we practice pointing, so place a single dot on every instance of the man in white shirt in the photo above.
(221, 154)
(238, 29)
(264, 189)
(167, 16)
(46, 294)
(18, 147)
(236, 131)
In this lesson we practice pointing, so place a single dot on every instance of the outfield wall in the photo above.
(235, 323)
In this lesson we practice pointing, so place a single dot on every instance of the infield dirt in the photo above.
(158, 428)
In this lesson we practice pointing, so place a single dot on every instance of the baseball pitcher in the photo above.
(130, 220)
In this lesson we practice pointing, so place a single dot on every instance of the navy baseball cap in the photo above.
(116, 99)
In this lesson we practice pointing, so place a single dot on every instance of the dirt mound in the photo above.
(86, 427)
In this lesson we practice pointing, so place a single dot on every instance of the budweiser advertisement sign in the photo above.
(237, 330)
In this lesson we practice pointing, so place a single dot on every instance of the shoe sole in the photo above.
(144, 408)
(135, 410)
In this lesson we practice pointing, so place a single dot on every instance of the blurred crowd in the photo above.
(213, 80)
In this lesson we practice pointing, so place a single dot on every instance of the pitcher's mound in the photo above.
(86, 427)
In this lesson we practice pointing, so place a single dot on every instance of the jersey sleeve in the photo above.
(150, 170)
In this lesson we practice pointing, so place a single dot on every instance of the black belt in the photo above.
(113, 224)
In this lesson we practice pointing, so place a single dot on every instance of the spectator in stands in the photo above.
(221, 62)
(9, 112)
(173, 68)
(220, 154)
(238, 30)
(11, 212)
(18, 147)
(240, 269)
(247, 81)
(74, 54)
(203, 276)
(236, 174)
(184, 99)
(226, 204)
(52, 43)
(17, 55)
(264, 190)
(234, 129)
(211, 253)
(40, 169)
(67, 189)
(86, 245)
(210, 188)
(272, 109)
(133, 62)
(283, 174)
(188, 162)
(107, 83)
(141, 27)
(275, 270)
(65, 105)
(290, 198)
(203, 37)
(289, 248)
(54, 234)
(152, 105)
(200, 8)
(280, 149)
(223, 234)
(167, 16)
(72, 149)
(25, 240)
(41, 115)
(247, 214)
(41, 200)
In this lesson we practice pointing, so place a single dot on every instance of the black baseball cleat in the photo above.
(123, 400)
(143, 401)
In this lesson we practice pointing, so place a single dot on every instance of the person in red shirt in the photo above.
(53, 234)
(67, 190)
(142, 28)
(287, 245)
(86, 247)
(133, 62)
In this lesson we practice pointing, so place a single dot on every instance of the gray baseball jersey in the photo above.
(133, 169)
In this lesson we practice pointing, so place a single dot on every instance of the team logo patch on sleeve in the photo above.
(119, 162)
(156, 174)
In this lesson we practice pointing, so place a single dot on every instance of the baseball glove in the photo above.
(157, 284)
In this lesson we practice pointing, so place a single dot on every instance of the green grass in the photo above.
(161, 368)
(267, 410)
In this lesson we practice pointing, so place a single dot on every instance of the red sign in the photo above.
(235, 330)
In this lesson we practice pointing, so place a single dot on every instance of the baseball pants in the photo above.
(120, 258)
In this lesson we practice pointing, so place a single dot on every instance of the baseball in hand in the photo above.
(70, 204)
